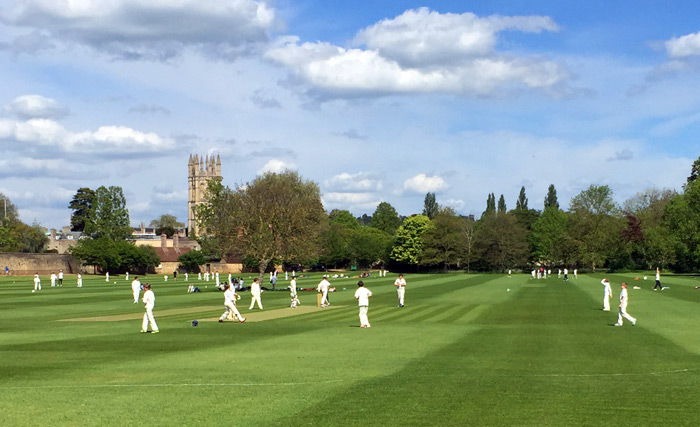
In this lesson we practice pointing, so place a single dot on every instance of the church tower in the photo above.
(199, 171)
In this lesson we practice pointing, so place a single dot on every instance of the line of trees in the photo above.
(279, 218)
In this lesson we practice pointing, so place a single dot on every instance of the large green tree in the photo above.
(549, 238)
(550, 201)
(109, 216)
(276, 217)
(443, 243)
(408, 244)
(81, 205)
(115, 256)
(385, 218)
(502, 205)
(501, 242)
(369, 247)
(192, 260)
(16, 236)
(430, 205)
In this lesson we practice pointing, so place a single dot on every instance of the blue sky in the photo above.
(374, 101)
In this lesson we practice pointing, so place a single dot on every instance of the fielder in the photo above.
(362, 295)
(136, 289)
(400, 284)
(107, 277)
(37, 282)
(255, 294)
(623, 307)
(149, 300)
(60, 278)
(607, 294)
(293, 293)
(322, 287)
(658, 280)
(80, 280)
(232, 313)
(53, 280)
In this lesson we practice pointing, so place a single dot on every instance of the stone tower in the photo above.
(199, 171)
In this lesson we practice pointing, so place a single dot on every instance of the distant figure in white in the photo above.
(149, 301)
(400, 284)
(566, 275)
(107, 277)
(136, 289)
(322, 288)
(607, 294)
(362, 295)
(293, 293)
(80, 280)
(37, 282)
(53, 279)
(187, 276)
(255, 294)
(559, 274)
(575, 273)
(127, 276)
(60, 278)
(199, 276)
(623, 307)
(230, 297)
(509, 271)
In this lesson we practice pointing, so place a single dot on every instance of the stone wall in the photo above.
(22, 264)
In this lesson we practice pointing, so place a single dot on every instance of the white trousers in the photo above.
(606, 302)
(231, 312)
(136, 295)
(148, 317)
(364, 320)
(37, 286)
(253, 299)
(623, 313)
(400, 291)
(324, 299)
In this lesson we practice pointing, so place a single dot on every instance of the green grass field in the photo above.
(464, 351)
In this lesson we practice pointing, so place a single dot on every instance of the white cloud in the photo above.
(156, 29)
(111, 139)
(36, 106)
(362, 181)
(421, 37)
(352, 201)
(421, 52)
(276, 166)
(422, 183)
(684, 46)
(452, 203)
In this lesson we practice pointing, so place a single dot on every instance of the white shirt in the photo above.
(608, 289)
(362, 295)
(229, 296)
(623, 298)
(293, 286)
(53, 277)
(36, 279)
(60, 275)
(323, 286)
(136, 285)
(658, 276)
(255, 288)
(566, 271)
(149, 299)
(400, 282)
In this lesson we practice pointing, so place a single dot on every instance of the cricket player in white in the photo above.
(255, 294)
(230, 297)
(400, 284)
(623, 307)
(607, 294)
(127, 276)
(37, 283)
(60, 278)
(53, 279)
(362, 295)
(80, 280)
(136, 289)
(322, 287)
(107, 277)
(293, 293)
(149, 300)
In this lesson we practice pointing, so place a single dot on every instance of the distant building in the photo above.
(200, 172)
(61, 241)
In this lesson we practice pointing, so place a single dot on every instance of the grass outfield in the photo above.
(463, 351)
